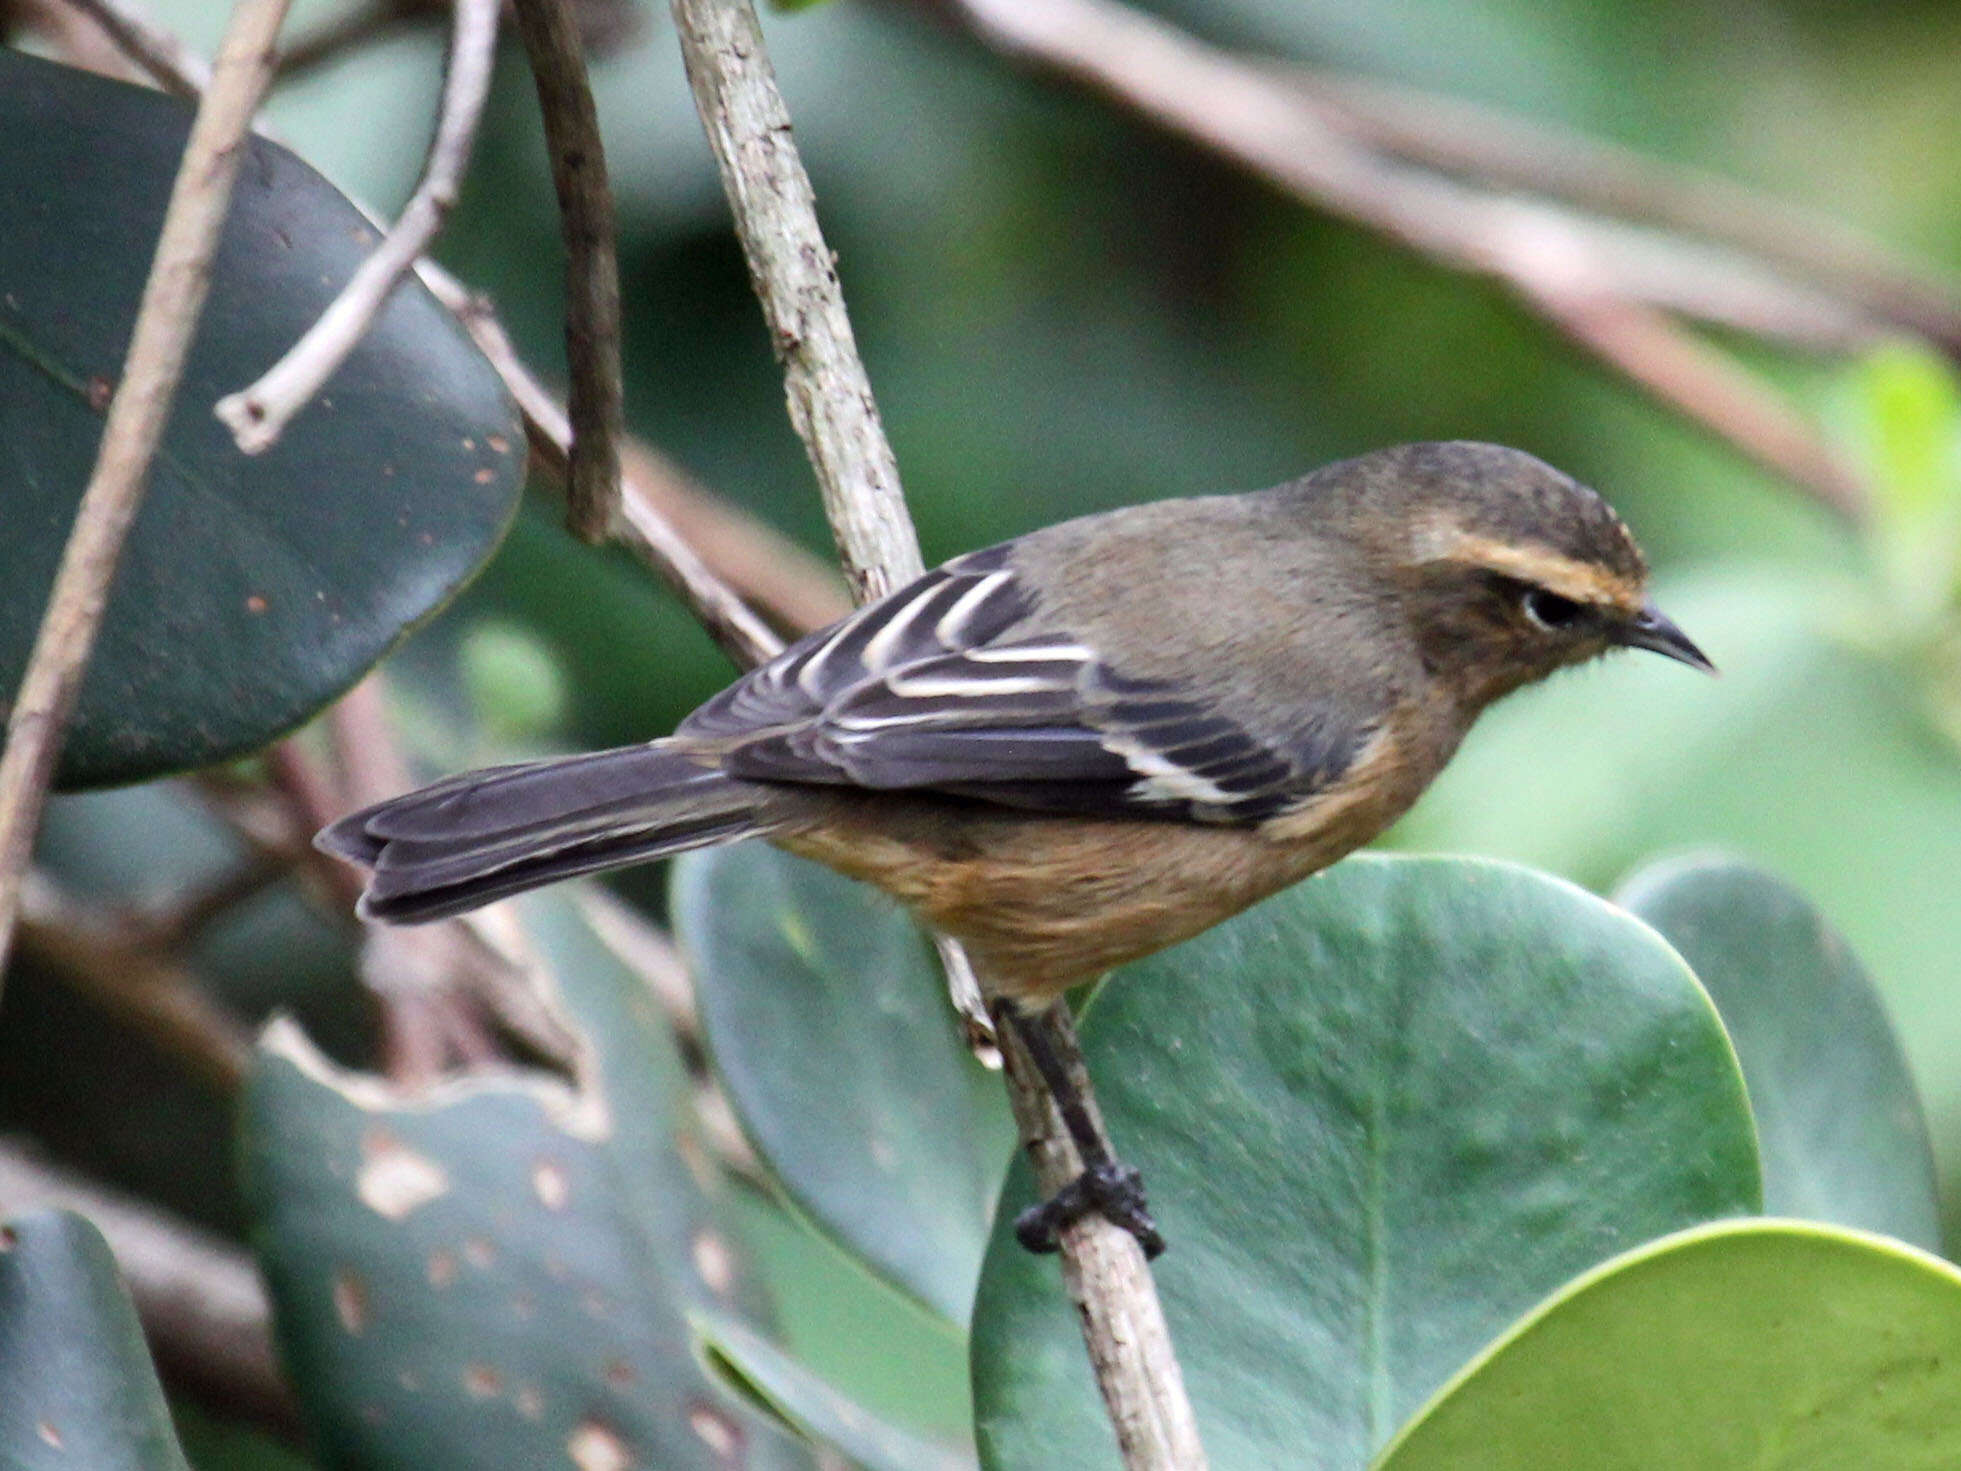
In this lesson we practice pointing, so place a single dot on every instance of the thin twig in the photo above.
(831, 404)
(592, 273)
(198, 1296)
(795, 277)
(113, 964)
(740, 558)
(1106, 1276)
(173, 299)
(149, 45)
(640, 527)
(1483, 143)
(1243, 110)
(258, 415)
(349, 31)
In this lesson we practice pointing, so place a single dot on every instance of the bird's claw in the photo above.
(1110, 1189)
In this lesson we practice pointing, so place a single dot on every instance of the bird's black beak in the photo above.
(1655, 630)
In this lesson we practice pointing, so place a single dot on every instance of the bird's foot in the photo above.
(1110, 1189)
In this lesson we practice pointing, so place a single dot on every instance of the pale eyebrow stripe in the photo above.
(1583, 582)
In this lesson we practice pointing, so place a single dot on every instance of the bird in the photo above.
(1083, 745)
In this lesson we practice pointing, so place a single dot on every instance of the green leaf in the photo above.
(1905, 407)
(1773, 1345)
(497, 1273)
(76, 1384)
(1838, 1123)
(830, 1027)
(253, 590)
(1379, 1115)
(811, 1409)
(1810, 756)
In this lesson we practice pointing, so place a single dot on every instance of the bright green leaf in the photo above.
(1771, 1345)
(76, 1385)
(253, 590)
(830, 1027)
(1379, 1116)
(1838, 1123)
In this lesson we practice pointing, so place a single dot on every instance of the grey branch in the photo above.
(831, 405)
(795, 277)
(1107, 1279)
(1578, 274)
(114, 963)
(1482, 143)
(160, 54)
(592, 273)
(259, 414)
(173, 300)
(198, 1296)
(748, 556)
(641, 527)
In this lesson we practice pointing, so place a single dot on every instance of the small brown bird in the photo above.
(1086, 744)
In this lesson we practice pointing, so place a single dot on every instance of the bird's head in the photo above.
(1506, 568)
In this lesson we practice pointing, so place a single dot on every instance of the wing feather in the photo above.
(949, 685)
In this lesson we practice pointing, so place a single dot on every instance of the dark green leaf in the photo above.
(253, 589)
(812, 1409)
(830, 1026)
(498, 1274)
(1773, 1345)
(1380, 1116)
(1838, 1123)
(76, 1385)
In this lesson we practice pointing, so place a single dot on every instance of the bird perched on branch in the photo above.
(1083, 745)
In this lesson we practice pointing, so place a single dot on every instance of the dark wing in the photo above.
(946, 686)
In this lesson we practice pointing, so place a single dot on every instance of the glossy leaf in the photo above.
(829, 1024)
(497, 1274)
(76, 1384)
(1379, 1116)
(1838, 1122)
(1776, 1345)
(812, 1409)
(1808, 755)
(253, 589)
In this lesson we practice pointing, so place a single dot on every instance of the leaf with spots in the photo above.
(498, 1272)
(828, 1020)
(76, 1385)
(253, 590)
(1412, 1097)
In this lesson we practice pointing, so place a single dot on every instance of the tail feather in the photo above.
(486, 835)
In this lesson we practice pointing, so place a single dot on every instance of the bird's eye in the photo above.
(1549, 610)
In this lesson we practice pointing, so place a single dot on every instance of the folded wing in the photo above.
(951, 686)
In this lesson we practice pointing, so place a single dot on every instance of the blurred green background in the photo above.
(1063, 310)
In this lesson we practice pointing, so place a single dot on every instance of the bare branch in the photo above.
(795, 277)
(641, 528)
(1483, 143)
(198, 1296)
(151, 47)
(592, 274)
(1563, 267)
(173, 299)
(113, 964)
(259, 414)
(350, 30)
(1106, 1276)
(831, 404)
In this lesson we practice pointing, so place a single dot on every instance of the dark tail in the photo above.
(487, 834)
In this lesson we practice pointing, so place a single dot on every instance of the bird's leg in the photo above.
(1106, 1185)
